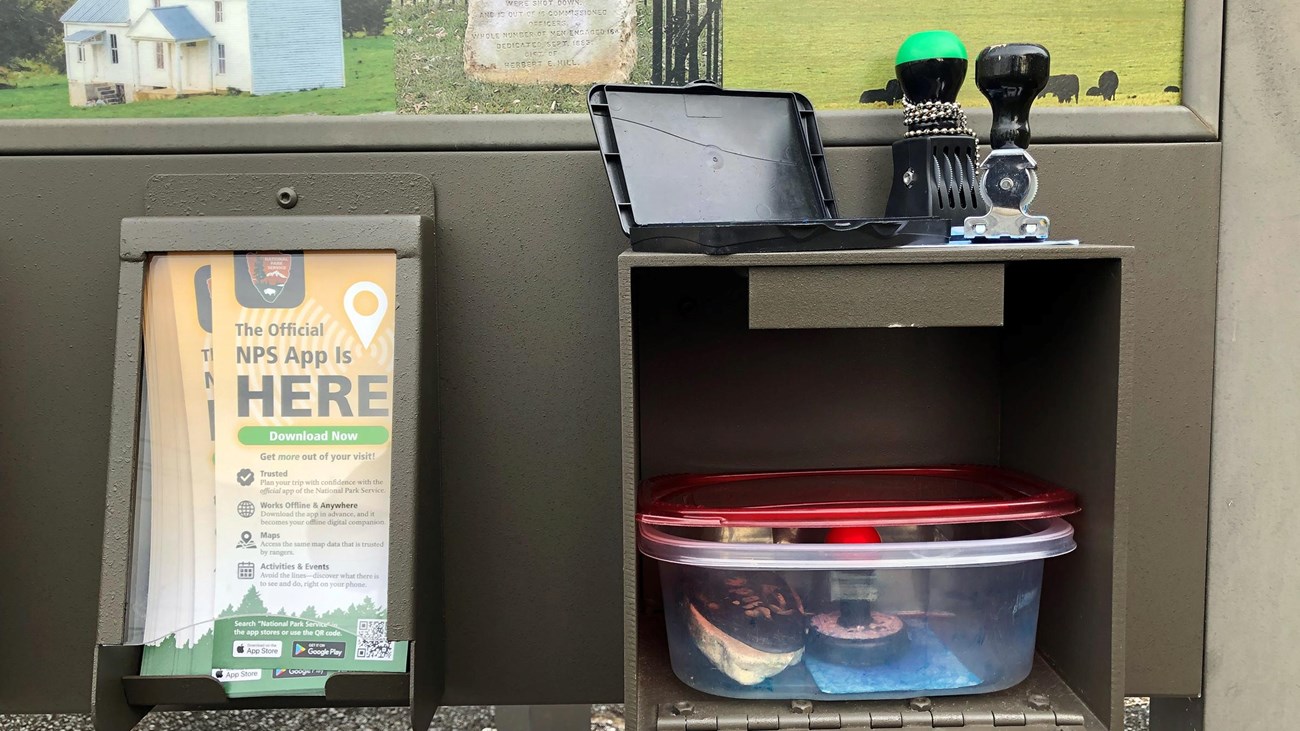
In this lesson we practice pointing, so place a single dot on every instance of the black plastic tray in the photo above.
(704, 169)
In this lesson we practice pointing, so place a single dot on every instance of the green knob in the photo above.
(930, 44)
(931, 66)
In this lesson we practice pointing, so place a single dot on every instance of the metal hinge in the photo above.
(802, 716)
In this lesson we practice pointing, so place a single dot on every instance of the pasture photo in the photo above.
(838, 52)
(835, 50)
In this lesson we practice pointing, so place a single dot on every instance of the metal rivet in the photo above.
(1039, 702)
(287, 197)
(909, 177)
(801, 706)
(980, 228)
(1030, 228)
(1006, 184)
(920, 704)
(681, 708)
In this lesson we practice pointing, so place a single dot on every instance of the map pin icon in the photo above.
(365, 325)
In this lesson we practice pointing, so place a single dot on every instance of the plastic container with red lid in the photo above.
(832, 498)
(852, 584)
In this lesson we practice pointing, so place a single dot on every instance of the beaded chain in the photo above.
(938, 118)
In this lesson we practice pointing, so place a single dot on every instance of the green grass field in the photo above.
(832, 50)
(369, 64)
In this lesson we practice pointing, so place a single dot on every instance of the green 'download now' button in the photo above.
(290, 435)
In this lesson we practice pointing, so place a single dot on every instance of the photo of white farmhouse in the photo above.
(128, 50)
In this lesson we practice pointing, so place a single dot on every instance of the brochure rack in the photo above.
(1015, 356)
(120, 695)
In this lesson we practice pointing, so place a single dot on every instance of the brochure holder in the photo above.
(120, 695)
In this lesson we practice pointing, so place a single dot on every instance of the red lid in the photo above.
(823, 498)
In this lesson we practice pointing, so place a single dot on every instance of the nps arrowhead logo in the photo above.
(269, 273)
(270, 279)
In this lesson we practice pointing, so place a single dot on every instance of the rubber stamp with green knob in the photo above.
(934, 164)
(1011, 76)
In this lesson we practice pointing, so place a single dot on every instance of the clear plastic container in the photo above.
(781, 611)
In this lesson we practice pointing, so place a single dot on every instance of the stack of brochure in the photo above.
(264, 469)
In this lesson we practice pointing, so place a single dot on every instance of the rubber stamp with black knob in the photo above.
(1010, 75)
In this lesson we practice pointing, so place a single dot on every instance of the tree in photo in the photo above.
(30, 31)
(365, 17)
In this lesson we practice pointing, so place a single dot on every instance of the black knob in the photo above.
(931, 79)
(1011, 75)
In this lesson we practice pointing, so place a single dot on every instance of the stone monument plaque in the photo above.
(550, 41)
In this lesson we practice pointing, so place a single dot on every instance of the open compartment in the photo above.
(122, 693)
(1005, 356)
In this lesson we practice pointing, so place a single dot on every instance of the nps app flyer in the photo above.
(303, 400)
(199, 587)
(176, 450)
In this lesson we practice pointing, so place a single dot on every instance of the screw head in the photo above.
(801, 706)
(682, 708)
(1039, 702)
(286, 197)
(920, 704)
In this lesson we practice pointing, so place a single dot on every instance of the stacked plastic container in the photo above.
(852, 584)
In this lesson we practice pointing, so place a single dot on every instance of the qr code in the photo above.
(372, 640)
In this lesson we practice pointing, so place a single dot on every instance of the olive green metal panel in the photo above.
(527, 132)
(904, 295)
(526, 298)
(1160, 200)
(1066, 384)
(1252, 664)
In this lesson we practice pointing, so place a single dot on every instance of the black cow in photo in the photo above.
(1065, 87)
(891, 94)
(1106, 86)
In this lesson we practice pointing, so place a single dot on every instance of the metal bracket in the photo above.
(804, 717)
(1008, 182)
